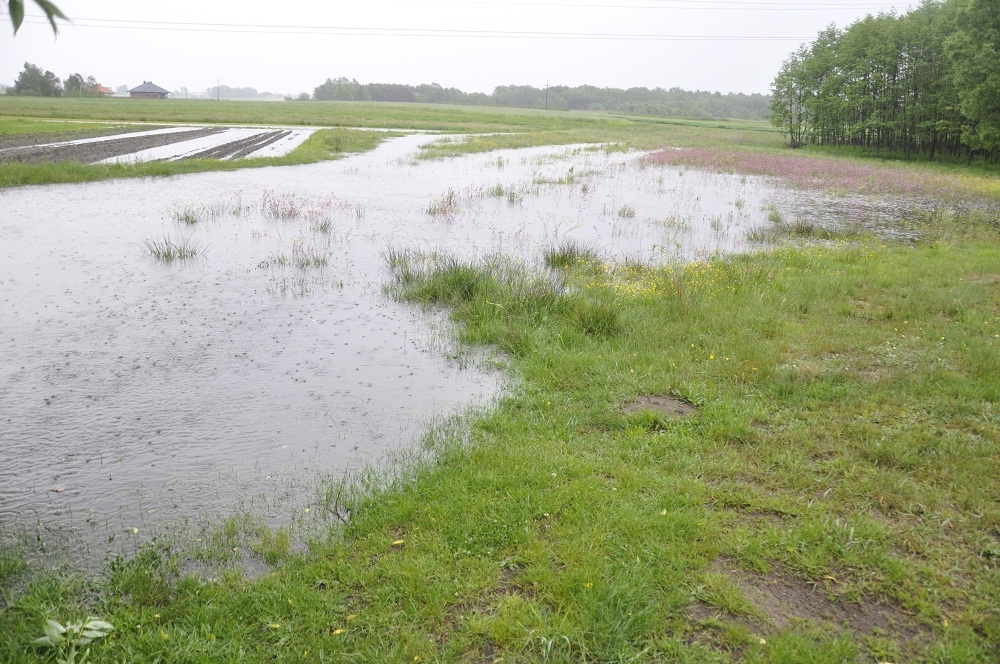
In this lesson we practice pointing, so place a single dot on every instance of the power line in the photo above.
(715, 5)
(249, 28)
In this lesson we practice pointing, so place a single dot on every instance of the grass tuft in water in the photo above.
(273, 545)
(187, 216)
(626, 212)
(445, 206)
(169, 249)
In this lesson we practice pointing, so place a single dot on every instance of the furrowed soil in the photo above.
(47, 138)
(88, 153)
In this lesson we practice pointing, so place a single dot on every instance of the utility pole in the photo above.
(546, 94)
(218, 89)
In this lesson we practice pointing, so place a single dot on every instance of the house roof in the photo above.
(149, 86)
(104, 91)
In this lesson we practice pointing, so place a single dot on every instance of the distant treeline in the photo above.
(924, 83)
(658, 101)
(227, 92)
(34, 82)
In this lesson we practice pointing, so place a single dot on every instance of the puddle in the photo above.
(151, 392)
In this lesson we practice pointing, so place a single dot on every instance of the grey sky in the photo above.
(474, 45)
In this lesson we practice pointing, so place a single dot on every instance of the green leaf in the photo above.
(16, 8)
(98, 625)
(44, 641)
(54, 631)
(51, 12)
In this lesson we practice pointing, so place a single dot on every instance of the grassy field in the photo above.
(436, 117)
(785, 456)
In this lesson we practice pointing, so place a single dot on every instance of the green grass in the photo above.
(844, 449)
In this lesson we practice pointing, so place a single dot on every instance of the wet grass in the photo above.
(840, 462)
(777, 231)
(435, 117)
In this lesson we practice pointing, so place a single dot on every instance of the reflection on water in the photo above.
(136, 392)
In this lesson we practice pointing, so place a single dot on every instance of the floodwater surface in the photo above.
(137, 392)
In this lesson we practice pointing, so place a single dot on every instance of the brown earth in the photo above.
(663, 404)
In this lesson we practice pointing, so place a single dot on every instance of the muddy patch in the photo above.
(666, 405)
(780, 601)
(486, 604)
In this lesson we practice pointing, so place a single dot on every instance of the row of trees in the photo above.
(34, 82)
(658, 101)
(227, 92)
(924, 83)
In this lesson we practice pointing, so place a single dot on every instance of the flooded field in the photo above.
(168, 143)
(139, 388)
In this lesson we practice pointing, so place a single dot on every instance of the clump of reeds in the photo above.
(169, 249)
(323, 225)
(285, 207)
(801, 229)
(187, 216)
(446, 206)
(568, 253)
(599, 318)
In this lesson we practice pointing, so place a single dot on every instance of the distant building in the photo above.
(148, 90)
(103, 91)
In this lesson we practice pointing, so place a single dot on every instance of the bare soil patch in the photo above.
(786, 600)
(662, 404)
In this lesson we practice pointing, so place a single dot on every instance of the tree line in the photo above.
(925, 83)
(643, 101)
(34, 82)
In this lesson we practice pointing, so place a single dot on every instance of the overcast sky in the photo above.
(475, 45)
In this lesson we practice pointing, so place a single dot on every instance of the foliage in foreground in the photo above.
(832, 499)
